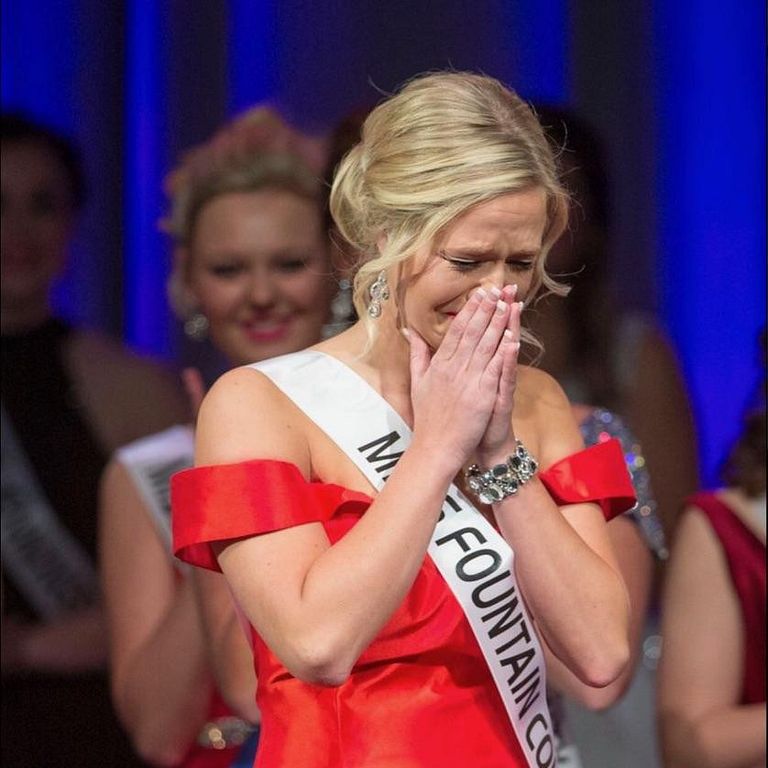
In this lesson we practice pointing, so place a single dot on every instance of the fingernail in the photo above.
(480, 293)
(507, 335)
(521, 304)
(501, 307)
(514, 289)
(406, 333)
(495, 292)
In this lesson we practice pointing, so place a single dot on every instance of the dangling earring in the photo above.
(379, 291)
(196, 327)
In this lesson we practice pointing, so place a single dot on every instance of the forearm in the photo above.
(636, 564)
(235, 674)
(229, 654)
(726, 738)
(352, 588)
(578, 601)
(162, 692)
(74, 644)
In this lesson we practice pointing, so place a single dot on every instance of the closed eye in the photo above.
(516, 264)
(462, 265)
(225, 269)
(520, 265)
(290, 264)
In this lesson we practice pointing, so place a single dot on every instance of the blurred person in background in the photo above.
(70, 397)
(712, 711)
(623, 381)
(251, 272)
(601, 355)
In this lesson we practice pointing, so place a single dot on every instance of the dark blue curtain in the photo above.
(676, 89)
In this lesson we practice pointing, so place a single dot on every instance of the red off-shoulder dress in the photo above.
(421, 694)
(745, 554)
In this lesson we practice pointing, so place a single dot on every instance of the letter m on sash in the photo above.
(375, 452)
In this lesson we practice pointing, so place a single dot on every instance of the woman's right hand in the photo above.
(454, 390)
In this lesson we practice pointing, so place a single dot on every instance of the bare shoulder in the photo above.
(126, 396)
(545, 413)
(540, 389)
(698, 564)
(656, 358)
(96, 351)
(245, 416)
(696, 542)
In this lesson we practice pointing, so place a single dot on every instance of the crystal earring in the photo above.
(379, 291)
(196, 327)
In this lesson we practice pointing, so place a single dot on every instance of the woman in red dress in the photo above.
(712, 676)
(364, 498)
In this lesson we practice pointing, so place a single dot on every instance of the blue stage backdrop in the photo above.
(711, 200)
(138, 82)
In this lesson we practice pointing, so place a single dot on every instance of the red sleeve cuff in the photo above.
(597, 474)
(231, 501)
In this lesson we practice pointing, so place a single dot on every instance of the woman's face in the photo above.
(496, 243)
(258, 270)
(38, 215)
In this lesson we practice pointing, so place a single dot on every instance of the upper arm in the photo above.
(701, 666)
(558, 437)
(245, 417)
(125, 396)
(138, 579)
(152, 400)
(659, 413)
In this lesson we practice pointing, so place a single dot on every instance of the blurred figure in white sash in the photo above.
(252, 274)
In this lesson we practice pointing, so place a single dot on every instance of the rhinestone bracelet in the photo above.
(502, 480)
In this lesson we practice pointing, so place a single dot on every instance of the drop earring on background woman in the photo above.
(196, 327)
(342, 310)
(379, 291)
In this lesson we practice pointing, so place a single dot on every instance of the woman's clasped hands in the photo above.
(462, 394)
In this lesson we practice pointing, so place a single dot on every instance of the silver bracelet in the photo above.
(502, 480)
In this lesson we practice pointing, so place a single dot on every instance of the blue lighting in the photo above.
(540, 49)
(253, 53)
(712, 202)
(145, 268)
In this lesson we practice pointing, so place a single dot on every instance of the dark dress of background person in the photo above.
(71, 397)
(52, 719)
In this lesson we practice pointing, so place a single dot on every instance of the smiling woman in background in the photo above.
(251, 271)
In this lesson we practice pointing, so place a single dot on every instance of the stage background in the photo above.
(677, 91)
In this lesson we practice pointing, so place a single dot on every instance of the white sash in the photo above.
(46, 562)
(150, 462)
(475, 561)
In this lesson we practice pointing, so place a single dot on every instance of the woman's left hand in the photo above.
(499, 439)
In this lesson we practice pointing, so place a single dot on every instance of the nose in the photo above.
(261, 289)
(496, 276)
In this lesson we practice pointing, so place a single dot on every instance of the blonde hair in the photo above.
(256, 150)
(444, 143)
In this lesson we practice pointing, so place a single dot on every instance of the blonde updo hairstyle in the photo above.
(441, 145)
(255, 151)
